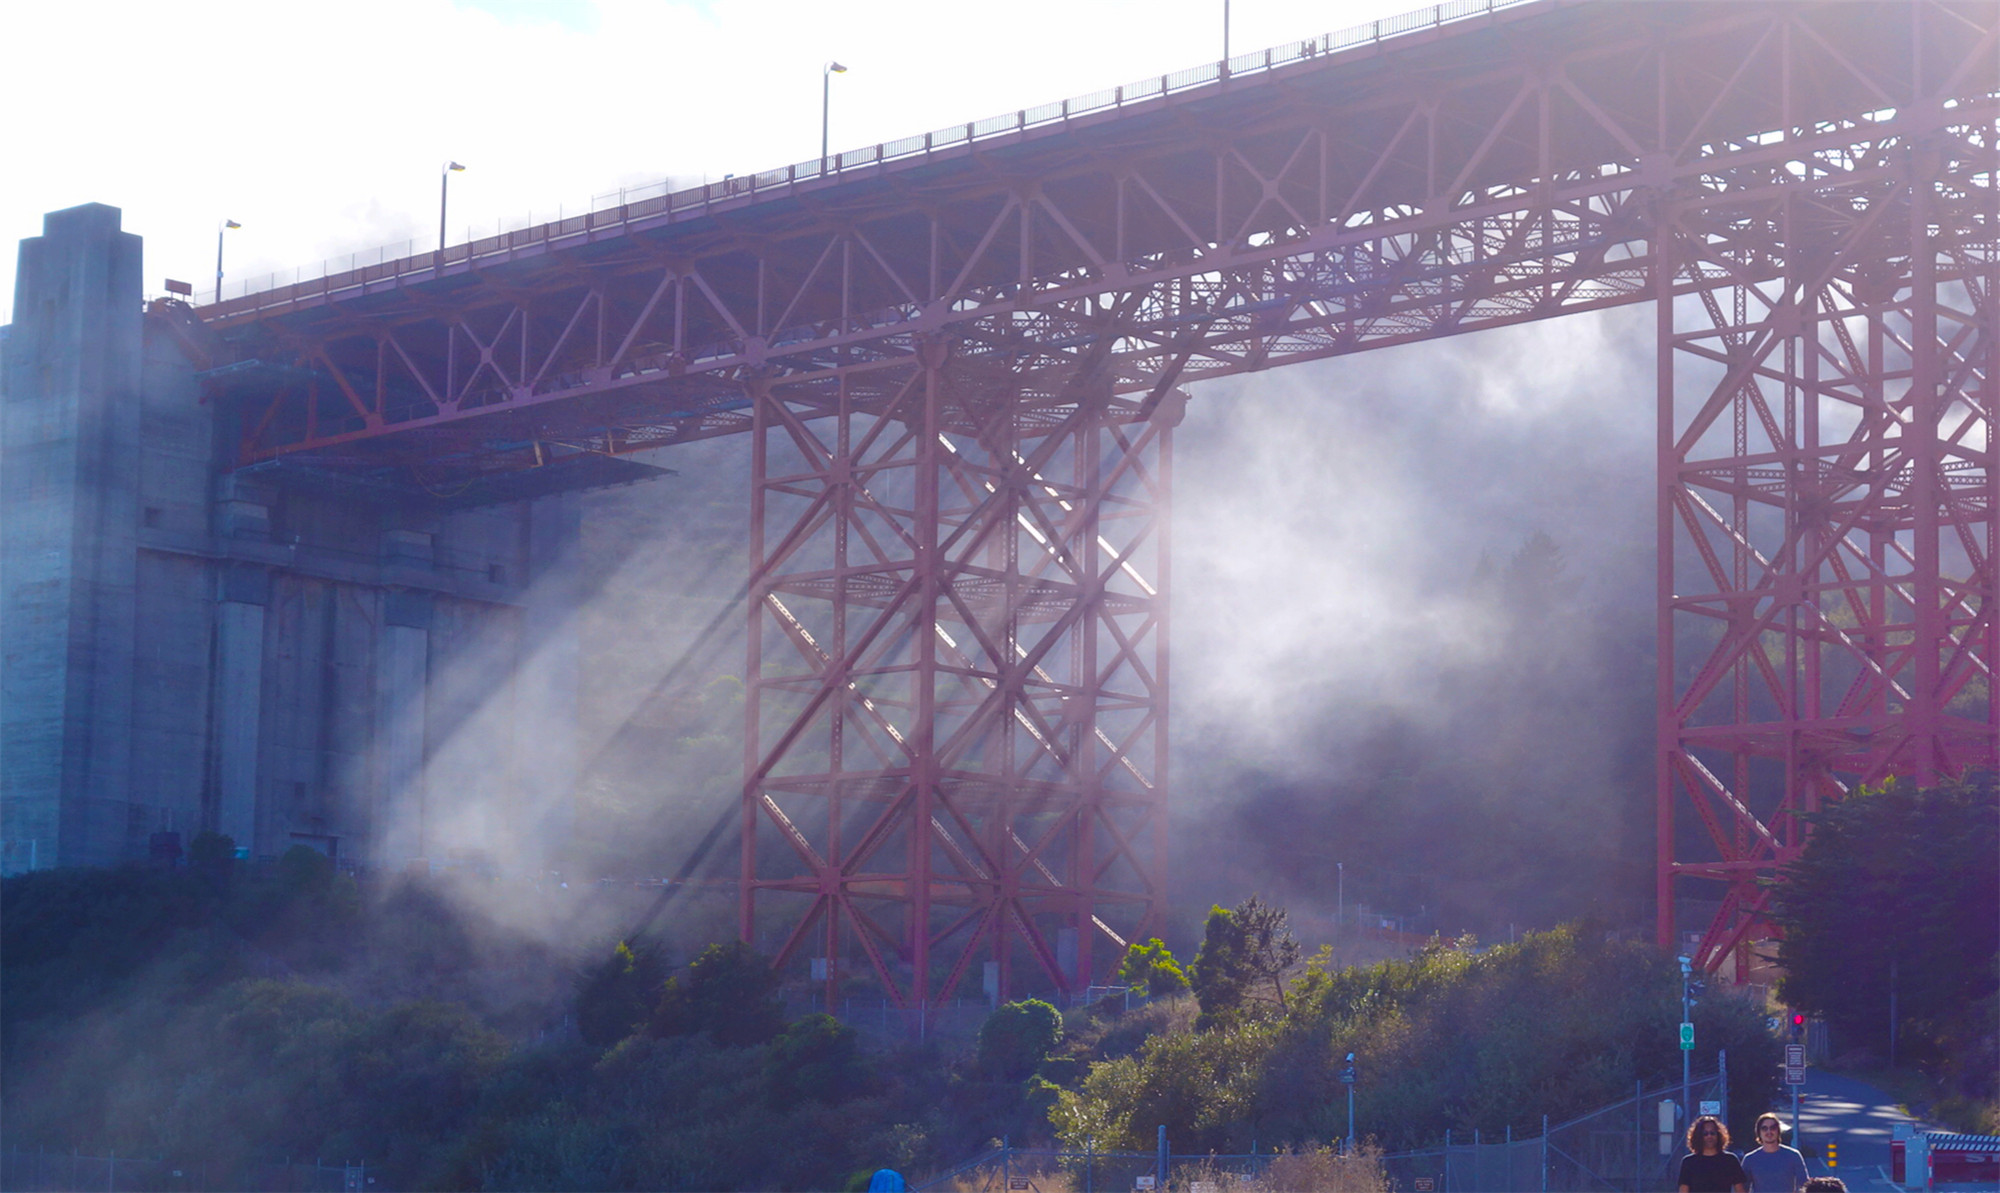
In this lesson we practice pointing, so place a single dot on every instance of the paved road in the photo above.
(1858, 1118)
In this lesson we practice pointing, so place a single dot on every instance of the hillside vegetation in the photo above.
(223, 1017)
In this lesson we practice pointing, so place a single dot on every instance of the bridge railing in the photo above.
(615, 208)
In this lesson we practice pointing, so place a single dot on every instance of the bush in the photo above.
(1151, 967)
(730, 993)
(1016, 1037)
(614, 997)
(1558, 1024)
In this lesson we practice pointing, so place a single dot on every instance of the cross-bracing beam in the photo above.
(1805, 189)
(1827, 502)
(956, 723)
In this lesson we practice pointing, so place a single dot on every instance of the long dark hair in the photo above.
(1707, 1120)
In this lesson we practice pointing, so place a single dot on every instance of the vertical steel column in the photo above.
(955, 746)
(1827, 401)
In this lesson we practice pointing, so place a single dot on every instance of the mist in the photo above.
(1413, 631)
(1412, 653)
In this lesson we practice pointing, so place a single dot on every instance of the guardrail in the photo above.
(615, 208)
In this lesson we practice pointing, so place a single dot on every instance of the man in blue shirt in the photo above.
(1771, 1166)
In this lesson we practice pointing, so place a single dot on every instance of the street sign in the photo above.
(1710, 1108)
(1795, 1056)
(1795, 1075)
(1427, 1184)
(1144, 1182)
(1347, 1076)
(1687, 1037)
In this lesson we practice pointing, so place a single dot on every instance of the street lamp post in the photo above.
(444, 194)
(826, 74)
(226, 226)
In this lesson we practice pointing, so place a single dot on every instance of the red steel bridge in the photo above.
(959, 360)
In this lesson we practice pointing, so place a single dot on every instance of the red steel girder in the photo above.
(956, 726)
(1827, 502)
(1806, 190)
(1489, 173)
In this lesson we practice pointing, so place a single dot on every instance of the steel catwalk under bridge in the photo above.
(959, 358)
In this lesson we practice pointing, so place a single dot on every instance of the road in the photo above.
(1858, 1119)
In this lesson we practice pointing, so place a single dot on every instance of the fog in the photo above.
(1413, 630)
(1412, 636)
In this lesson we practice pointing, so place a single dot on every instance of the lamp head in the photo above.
(231, 224)
(835, 68)
(454, 167)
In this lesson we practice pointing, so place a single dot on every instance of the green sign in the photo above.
(1687, 1037)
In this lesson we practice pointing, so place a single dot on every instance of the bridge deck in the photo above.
(1503, 166)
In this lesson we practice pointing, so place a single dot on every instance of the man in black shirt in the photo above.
(1708, 1167)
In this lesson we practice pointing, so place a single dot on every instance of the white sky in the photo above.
(322, 128)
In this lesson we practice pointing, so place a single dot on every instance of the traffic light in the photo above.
(1798, 1025)
(1832, 1155)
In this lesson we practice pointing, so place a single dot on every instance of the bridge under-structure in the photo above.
(960, 358)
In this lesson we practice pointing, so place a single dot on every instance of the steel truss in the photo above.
(1827, 499)
(1805, 189)
(956, 740)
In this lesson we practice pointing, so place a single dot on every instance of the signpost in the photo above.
(1795, 1075)
(1687, 1037)
(1347, 1079)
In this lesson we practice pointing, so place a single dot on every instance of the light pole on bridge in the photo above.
(444, 194)
(226, 226)
(826, 74)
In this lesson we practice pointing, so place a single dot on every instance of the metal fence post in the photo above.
(1638, 1132)
(1545, 1154)
(1160, 1165)
(1722, 1080)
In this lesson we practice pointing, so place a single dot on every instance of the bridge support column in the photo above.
(1827, 504)
(956, 739)
(239, 701)
(402, 670)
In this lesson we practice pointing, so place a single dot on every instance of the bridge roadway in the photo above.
(957, 749)
(1501, 167)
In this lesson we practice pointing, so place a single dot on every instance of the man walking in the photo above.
(1771, 1166)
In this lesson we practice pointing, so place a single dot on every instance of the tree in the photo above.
(1016, 1037)
(614, 996)
(1559, 1023)
(816, 1059)
(730, 992)
(1152, 966)
(1246, 954)
(1896, 896)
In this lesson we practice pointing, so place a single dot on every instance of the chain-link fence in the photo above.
(35, 1170)
(1619, 1148)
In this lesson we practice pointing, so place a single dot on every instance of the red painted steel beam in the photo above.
(1805, 191)
(1827, 571)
